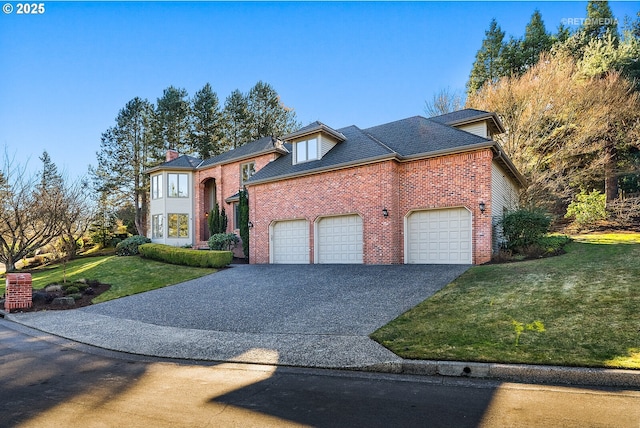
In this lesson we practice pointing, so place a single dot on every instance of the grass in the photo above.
(127, 275)
(578, 309)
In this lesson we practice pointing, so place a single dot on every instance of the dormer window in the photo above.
(306, 150)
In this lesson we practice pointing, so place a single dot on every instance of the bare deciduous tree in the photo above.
(29, 214)
(443, 102)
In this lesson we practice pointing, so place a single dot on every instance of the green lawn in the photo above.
(127, 275)
(578, 309)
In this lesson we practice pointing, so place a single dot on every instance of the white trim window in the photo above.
(178, 226)
(178, 185)
(246, 171)
(306, 150)
(157, 226)
(156, 186)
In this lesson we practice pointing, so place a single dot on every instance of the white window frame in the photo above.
(308, 155)
(156, 186)
(157, 226)
(246, 170)
(178, 226)
(182, 185)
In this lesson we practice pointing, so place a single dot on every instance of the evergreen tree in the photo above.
(488, 63)
(126, 151)
(50, 178)
(267, 114)
(172, 117)
(536, 40)
(217, 220)
(236, 116)
(562, 34)
(206, 123)
(599, 22)
(243, 210)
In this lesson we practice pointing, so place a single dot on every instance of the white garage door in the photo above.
(439, 237)
(340, 239)
(290, 242)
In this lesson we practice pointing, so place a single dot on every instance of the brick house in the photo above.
(416, 190)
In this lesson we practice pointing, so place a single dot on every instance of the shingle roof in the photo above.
(264, 144)
(357, 147)
(403, 138)
(184, 161)
(469, 115)
(418, 135)
(460, 115)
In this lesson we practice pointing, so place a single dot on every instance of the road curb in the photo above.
(522, 373)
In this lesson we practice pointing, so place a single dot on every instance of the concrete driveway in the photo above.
(306, 315)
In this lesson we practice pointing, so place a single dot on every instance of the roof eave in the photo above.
(241, 158)
(319, 170)
(321, 128)
(495, 119)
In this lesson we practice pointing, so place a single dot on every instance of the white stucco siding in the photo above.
(173, 205)
(504, 197)
(477, 128)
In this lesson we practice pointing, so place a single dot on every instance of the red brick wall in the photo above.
(18, 291)
(461, 180)
(227, 184)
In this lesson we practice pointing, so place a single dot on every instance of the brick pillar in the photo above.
(18, 292)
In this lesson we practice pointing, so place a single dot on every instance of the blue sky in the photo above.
(65, 74)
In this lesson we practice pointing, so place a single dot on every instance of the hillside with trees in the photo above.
(570, 103)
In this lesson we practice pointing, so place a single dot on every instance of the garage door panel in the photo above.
(290, 241)
(448, 237)
(340, 239)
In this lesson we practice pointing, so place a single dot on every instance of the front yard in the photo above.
(578, 309)
(126, 275)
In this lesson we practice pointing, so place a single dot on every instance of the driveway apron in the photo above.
(302, 315)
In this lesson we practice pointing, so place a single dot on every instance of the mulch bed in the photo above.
(46, 305)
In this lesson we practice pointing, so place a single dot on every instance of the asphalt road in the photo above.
(47, 381)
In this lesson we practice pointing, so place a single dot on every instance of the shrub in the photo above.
(72, 289)
(587, 208)
(223, 241)
(129, 247)
(525, 227)
(187, 257)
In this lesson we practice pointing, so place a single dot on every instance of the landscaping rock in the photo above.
(41, 297)
(63, 301)
(53, 288)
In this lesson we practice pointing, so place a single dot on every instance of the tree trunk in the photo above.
(610, 173)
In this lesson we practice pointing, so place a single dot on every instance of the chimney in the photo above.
(172, 154)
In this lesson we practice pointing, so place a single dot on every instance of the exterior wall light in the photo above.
(385, 212)
(250, 225)
(483, 207)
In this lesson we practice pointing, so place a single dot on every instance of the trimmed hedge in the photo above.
(186, 256)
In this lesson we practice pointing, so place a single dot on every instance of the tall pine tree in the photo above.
(206, 123)
(236, 117)
(126, 151)
(267, 114)
(488, 64)
(172, 121)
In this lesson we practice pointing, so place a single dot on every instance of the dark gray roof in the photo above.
(469, 115)
(460, 115)
(418, 135)
(358, 146)
(402, 139)
(184, 161)
(254, 148)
